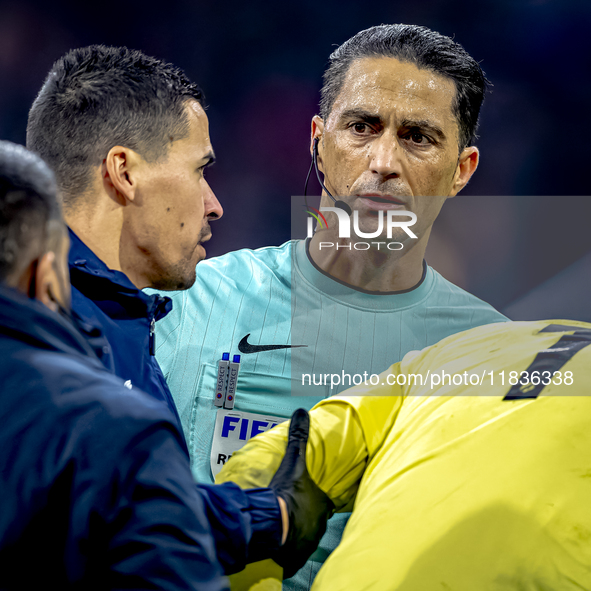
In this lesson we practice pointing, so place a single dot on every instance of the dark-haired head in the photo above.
(128, 139)
(424, 48)
(33, 239)
(98, 97)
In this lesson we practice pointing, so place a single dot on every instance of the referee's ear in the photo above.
(467, 164)
(317, 131)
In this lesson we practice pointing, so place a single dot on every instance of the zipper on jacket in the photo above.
(152, 337)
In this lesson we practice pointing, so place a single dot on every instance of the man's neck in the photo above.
(377, 269)
(100, 231)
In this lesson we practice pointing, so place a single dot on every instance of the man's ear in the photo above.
(317, 131)
(45, 280)
(119, 173)
(467, 164)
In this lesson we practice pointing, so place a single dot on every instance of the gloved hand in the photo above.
(308, 507)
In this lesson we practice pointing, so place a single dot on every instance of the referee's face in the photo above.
(391, 142)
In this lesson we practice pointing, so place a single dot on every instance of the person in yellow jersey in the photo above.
(467, 466)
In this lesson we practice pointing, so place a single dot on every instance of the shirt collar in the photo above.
(90, 275)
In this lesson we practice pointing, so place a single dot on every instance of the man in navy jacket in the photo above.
(95, 481)
(128, 139)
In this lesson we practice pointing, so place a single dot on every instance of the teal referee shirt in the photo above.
(285, 318)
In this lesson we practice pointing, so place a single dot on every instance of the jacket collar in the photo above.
(111, 290)
(29, 320)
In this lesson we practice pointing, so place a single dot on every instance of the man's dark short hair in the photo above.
(28, 202)
(98, 97)
(424, 48)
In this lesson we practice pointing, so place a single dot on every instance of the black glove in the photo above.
(307, 506)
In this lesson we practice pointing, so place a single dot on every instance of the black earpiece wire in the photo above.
(340, 204)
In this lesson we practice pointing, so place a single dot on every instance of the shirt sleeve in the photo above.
(156, 531)
(173, 534)
(345, 433)
(249, 525)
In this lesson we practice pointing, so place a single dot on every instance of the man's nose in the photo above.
(213, 208)
(385, 156)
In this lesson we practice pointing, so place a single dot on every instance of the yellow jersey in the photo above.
(475, 476)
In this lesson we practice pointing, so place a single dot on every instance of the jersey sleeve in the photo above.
(345, 432)
(156, 531)
(174, 534)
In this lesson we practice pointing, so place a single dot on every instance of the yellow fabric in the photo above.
(267, 585)
(257, 576)
(454, 488)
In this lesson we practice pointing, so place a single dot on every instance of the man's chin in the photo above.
(177, 281)
(187, 283)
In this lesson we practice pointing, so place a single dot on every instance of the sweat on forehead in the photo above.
(370, 81)
(427, 50)
(386, 92)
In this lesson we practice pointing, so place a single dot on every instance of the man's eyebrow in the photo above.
(426, 125)
(361, 115)
(372, 118)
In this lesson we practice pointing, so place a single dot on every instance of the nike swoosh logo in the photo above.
(245, 347)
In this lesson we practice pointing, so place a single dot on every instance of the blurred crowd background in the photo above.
(518, 236)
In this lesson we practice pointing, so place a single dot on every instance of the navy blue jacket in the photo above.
(95, 485)
(126, 316)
